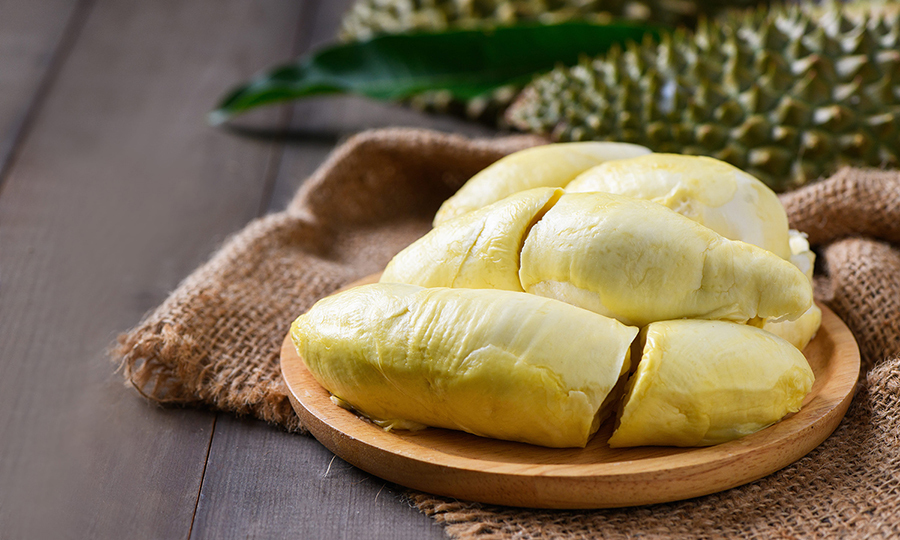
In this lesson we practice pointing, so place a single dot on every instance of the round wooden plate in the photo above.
(457, 464)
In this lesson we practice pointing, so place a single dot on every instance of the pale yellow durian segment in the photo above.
(798, 332)
(801, 331)
(478, 250)
(552, 165)
(700, 383)
(801, 255)
(640, 262)
(499, 364)
(711, 192)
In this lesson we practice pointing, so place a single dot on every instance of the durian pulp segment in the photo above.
(708, 191)
(798, 332)
(700, 383)
(801, 254)
(553, 165)
(801, 331)
(499, 364)
(721, 197)
(640, 262)
(477, 250)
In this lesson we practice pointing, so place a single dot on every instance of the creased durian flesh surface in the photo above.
(700, 383)
(499, 364)
(625, 258)
(527, 367)
(711, 192)
(551, 165)
(640, 262)
(477, 250)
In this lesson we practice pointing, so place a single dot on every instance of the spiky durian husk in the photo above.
(367, 18)
(370, 17)
(788, 95)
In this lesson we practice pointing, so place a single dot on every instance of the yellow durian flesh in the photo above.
(708, 191)
(640, 262)
(478, 250)
(711, 192)
(801, 331)
(552, 165)
(499, 364)
(700, 383)
(719, 196)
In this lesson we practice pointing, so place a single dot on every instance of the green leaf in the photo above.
(466, 63)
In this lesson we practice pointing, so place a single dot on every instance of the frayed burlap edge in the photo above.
(215, 340)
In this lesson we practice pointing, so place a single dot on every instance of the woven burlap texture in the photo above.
(215, 341)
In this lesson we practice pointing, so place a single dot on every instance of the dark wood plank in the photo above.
(307, 492)
(264, 483)
(32, 43)
(317, 125)
(118, 192)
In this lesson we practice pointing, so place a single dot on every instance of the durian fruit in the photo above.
(498, 364)
(478, 250)
(551, 165)
(700, 383)
(787, 95)
(710, 192)
(640, 262)
(367, 18)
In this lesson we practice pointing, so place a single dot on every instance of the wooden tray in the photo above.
(460, 465)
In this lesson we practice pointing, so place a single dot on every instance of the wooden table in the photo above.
(112, 189)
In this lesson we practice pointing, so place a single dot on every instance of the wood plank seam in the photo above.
(64, 46)
(212, 434)
(270, 177)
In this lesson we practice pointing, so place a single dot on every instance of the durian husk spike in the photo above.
(789, 94)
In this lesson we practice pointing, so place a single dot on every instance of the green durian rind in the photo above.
(788, 95)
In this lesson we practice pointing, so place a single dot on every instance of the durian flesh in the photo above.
(499, 364)
(640, 262)
(625, 258)
(552, 165)
(721, 197)
(490, 361)
(700, 383)
(708, 191)
(478, 250)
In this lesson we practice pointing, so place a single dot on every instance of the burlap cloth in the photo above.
(214, 342)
